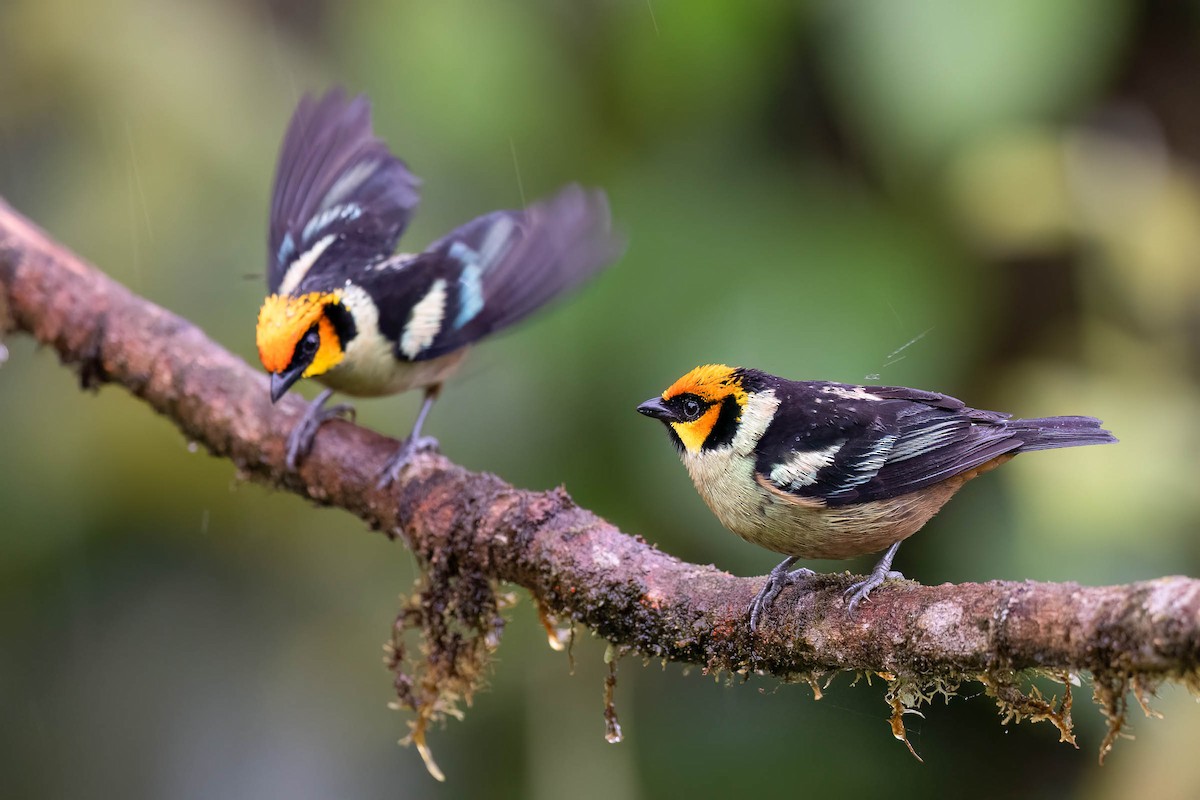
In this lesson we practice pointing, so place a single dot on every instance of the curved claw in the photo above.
(395, 465)
(777, 581)
(300, 440)
(861, 590)
(883, 571)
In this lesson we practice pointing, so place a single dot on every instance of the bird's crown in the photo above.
(711, 383)
(282, 320)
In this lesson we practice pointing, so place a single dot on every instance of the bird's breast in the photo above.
(368, 371)
(805, 527)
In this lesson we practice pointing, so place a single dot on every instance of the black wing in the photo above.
(851, 444)
(493, 272)
(335, 179)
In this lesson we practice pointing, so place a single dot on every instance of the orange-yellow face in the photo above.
(296, 338)
(692, 405)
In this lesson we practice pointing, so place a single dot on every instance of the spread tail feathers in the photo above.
(1047, 433)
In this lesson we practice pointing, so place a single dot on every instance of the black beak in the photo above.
(282, 381)
(655, 407)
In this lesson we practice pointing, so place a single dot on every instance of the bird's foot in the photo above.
(859, 591)
(779, 578)
(300, 440)
(409, 448)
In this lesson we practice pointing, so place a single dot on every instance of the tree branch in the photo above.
(476, 529)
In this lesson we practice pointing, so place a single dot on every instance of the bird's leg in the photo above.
(882, 572)
(779, 578)
(414, 444)
(300, 440)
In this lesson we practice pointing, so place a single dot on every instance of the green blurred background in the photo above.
(806, 188)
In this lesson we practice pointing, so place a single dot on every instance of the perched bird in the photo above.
(814, 469)
(347, 311)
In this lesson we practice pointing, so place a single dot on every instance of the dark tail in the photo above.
(1048, 433)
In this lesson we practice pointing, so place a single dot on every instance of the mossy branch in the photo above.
(471, 530)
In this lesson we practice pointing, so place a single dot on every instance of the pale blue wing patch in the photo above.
(338, 213)
(477, 262)
(470, 289)
(470, 283)
(287, 249)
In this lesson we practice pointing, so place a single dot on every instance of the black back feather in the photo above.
(905, 441)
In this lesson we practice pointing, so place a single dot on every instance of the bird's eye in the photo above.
(310, 343)
(691, 409)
